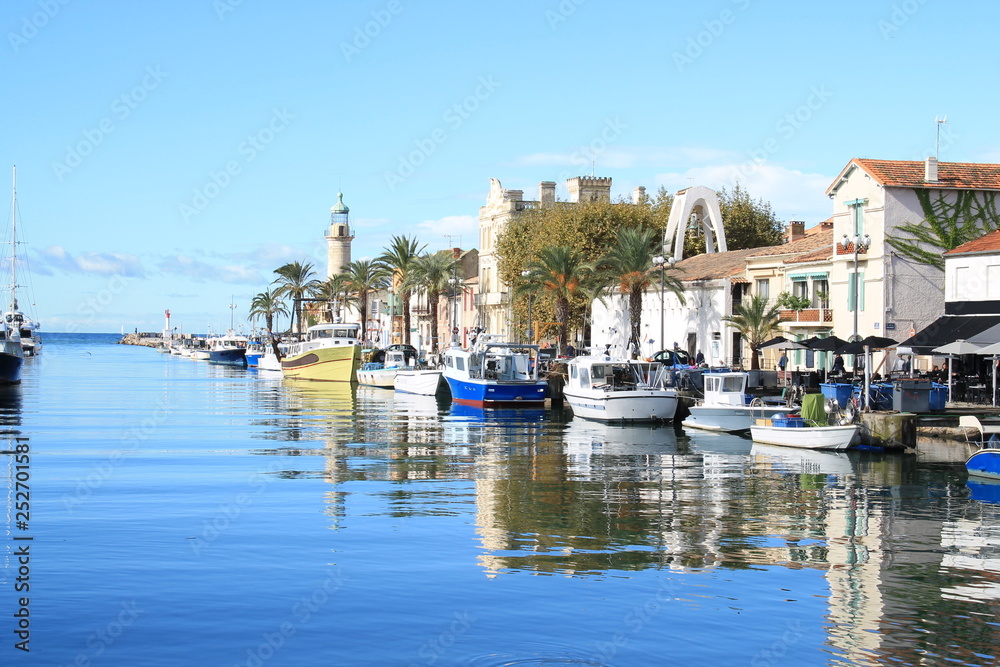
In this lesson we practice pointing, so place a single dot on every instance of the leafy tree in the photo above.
(757, 322)
(431, 272)
(336, 292)
(267, 305)
(559, 274)
(628, 269)
(400, 257)
(589, 228)
(792, 302)
(365, 276)
(296, 280)
(946, 225)
(748, 223)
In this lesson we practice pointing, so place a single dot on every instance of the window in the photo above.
(821, 294)
(459, 364)
(857, 207)
(856, 291)
(764, 288)
(800, 288)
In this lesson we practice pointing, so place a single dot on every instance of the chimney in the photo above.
(546, 194)
(796, 230)
(638, 194)
(931, 170)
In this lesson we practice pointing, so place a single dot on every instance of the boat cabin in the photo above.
(726, 388)
(502, 362)
(603, 373)
(336, 334)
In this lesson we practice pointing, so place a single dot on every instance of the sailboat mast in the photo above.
(13, 236)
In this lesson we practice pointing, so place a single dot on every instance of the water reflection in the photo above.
(910, 564)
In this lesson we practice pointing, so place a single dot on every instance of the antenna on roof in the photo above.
(450, 237)
(937, 146)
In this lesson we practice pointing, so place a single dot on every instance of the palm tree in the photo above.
(296, 280)
(365, 276)
(336, 291)
(267, 305)
(561, 273)
(431, 272)
(628, 268)
(400, 257)
(756, 322)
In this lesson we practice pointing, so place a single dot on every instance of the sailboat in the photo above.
(11, 352)
(27, 329)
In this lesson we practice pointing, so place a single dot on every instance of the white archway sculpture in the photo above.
(703, 203)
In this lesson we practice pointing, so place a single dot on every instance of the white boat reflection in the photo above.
(801, 461)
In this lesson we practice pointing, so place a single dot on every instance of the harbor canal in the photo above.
(183, 513)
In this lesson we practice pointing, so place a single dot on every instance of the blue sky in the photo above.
(171, 155)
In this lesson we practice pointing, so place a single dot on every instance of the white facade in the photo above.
(972, 277)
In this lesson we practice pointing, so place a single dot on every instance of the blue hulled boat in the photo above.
(985, 463)
(494, 375)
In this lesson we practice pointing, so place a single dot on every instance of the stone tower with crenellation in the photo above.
(338, 238)
(589, 188)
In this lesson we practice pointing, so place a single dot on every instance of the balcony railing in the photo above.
(808, 315)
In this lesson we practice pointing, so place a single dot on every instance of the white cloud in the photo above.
(56, 258)
(202, 271)
(793, 195)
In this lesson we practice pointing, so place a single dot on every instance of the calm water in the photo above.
(182, 513)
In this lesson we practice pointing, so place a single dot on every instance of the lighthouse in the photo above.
(338, 238)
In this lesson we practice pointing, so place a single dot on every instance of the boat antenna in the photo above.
(232, 312)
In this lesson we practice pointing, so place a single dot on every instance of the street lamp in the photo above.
(861, 244)
(662, 261)
(525, 274)
(453, 281)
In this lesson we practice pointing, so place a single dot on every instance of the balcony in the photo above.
(808, 316)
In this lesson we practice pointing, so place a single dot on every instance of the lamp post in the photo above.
(525, 274)
(662, 261)
(860, 243)
(453, 281)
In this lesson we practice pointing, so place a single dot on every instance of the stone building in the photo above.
(501, 207)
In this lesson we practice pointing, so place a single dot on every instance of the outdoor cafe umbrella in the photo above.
(960, 346)
(828, 344)
(865, 346)
(994, 351)
(782, 343)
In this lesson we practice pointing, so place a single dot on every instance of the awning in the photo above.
(949, 328)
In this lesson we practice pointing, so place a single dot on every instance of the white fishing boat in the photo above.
(726, 405)
(380, 370)
(494, 374)
(422, 381)
(600, 387)
(270, 359)
(229, 349)
(811, 430)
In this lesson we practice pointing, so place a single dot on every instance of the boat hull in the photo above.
(230, 357)
(732, 418)
(984, 464)
(637, 405)
(497, 393)
(199, 355)
(383, 378)
(423, 383)
(324, 364)
(253, 359)
(10, 368)
(814, 437)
